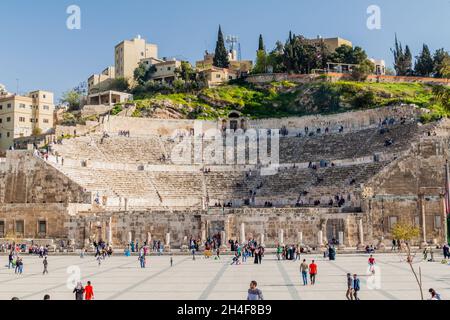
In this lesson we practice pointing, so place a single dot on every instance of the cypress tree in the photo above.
(407, 61)
(424, 63)
(261, 44)
(221, 54)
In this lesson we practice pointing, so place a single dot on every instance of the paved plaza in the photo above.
(121, 278)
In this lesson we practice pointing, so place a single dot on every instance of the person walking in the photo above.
(10, 260)
(313, 272)
(88, 291)
(356, 287)
(254, 293)
(45, 263)
(304, 270)
(19, 265)
(79, 290)
(142, 260)
(279, 252)
(349, 293)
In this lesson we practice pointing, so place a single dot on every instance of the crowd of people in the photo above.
(242, 252)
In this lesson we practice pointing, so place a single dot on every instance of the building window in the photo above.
(31, 120)
(218, 76)
(7, 134)
(392, 222)
(2, 229)
(21, 119)
(1, 120)
(45, 121)
(169, 68)
(437, 222)
(9, 105)
(19, 226)
(42, 227)
(8, 119)
(417, 221)
(22, 106)
(46, 107)
(1, 107)
(44, 96)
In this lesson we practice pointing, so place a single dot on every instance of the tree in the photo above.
(302, 56)
(36, 131)
(424, 63)
(275, 59)
(441, 61)
(441, 96)
(185, 72)
(120, 84)
(261, 62)
(349, 55)
(140, 74)
(407, 61)
(361, 72)
(72, 98)
(261, 46)
(221, 54)
(405, 233)
(402, 59)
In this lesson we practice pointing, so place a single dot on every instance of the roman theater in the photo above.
(346, 177)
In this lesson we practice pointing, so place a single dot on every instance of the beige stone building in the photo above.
(215, 76)
(102, 81)
(332, 43)
(165, 70)
(22, 116)
(108, 98)
(236, 66)
(129, 53)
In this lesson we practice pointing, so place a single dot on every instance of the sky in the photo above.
(38, 51)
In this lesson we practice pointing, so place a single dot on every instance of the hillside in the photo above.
(282, 99)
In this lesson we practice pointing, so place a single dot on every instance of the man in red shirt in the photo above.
(88, 291)
(313, 272)
(371, 260)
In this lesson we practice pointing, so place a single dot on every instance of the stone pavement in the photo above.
(121, 278)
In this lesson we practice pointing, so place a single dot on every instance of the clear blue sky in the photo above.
(37, 48)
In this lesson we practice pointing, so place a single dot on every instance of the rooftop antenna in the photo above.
(232, 41)
(239, 52)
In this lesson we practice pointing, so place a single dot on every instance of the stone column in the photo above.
(109, 237)
(149, 239)
(261, 240)
(341, 240)
(320, 238)
(281, 237)
(242, 238)
(424, 243)
(300, 238)
(203, 235)
(444, 220)
(184, 245)
(361, 245)
(167, 244)
(223, 240)
(130, 237)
